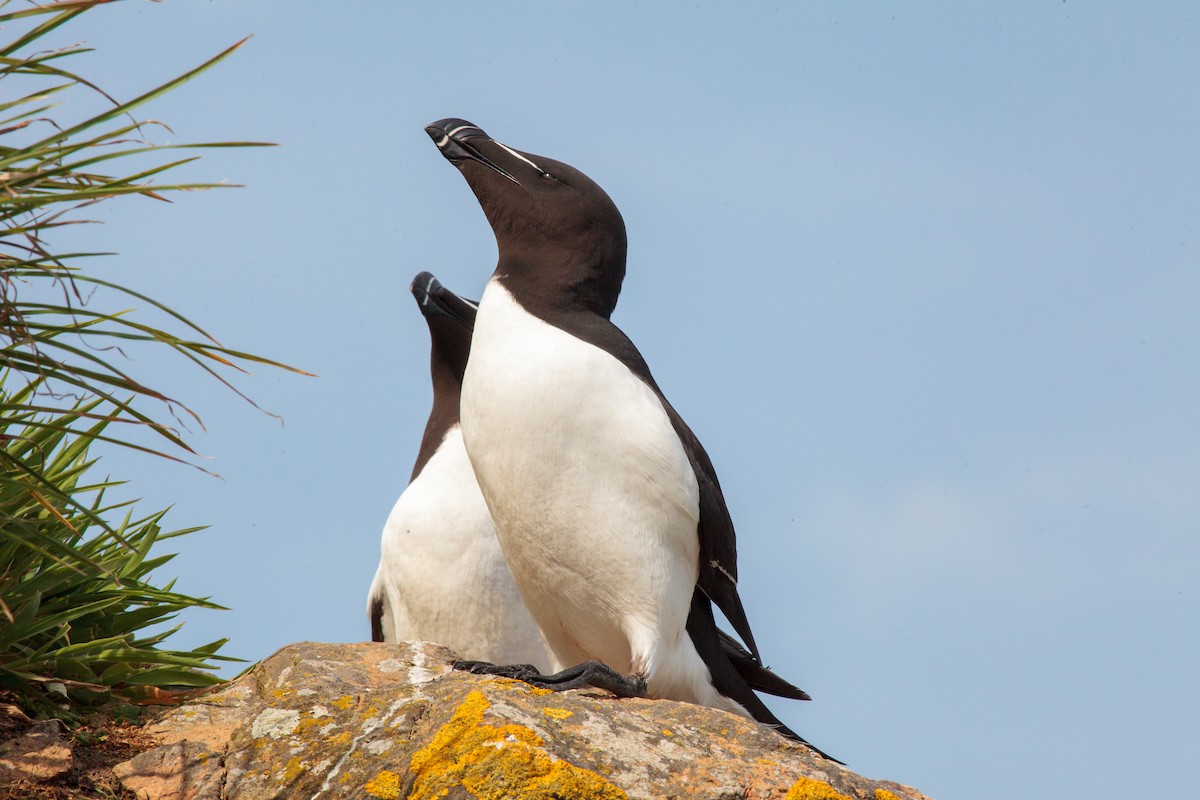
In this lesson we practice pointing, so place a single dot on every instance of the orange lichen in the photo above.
(884, 794)
(385, 785)
(810, 789)
(344, 702)
(494, 762)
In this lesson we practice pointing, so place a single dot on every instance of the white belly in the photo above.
(444, 576)
(594, 499)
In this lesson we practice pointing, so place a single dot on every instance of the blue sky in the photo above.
(923, 278)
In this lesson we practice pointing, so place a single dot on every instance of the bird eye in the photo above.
(547, 176)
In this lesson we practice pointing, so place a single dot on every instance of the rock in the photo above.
(180, 770)
(394, 721)
(12, 718)
(38, 754)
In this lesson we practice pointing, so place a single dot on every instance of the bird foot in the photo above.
(588, 674)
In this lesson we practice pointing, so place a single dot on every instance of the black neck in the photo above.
(447, 363)
(553, 284)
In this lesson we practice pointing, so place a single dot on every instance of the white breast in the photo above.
(443, 574)
(594, 499)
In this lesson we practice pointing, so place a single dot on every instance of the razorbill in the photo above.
(442, 577)
(605, 503)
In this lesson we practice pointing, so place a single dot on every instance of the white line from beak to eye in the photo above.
(515, 154)
(442, 141)
(462, 128)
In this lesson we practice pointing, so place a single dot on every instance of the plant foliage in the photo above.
(76, 594)
(76, 590)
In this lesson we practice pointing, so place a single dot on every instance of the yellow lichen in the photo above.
(338, 739)
(494, 762)
(385, 785)
(884, 794)
(513, 685)
(292, 770)
(667, 732)
(344, 702)
(810, 789)
(557, 713)
(307, 724)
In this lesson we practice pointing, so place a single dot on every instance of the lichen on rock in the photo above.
(498, 762)
(392, 721)
(810, 789)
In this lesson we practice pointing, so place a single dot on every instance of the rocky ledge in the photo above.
(394, 721)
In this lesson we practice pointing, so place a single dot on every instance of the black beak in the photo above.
(436, 300)
(453, 137)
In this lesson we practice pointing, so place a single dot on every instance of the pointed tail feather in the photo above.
(754, 673)
(726, 661)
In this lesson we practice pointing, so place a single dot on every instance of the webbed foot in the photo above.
(588, 674)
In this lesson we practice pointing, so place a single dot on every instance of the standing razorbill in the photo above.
(442, 576)
(605, 503)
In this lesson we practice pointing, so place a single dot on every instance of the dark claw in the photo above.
(515, 671)
(592, 674)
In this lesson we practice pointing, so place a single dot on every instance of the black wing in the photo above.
(378, 612)
(718, 543)
(375, 612)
